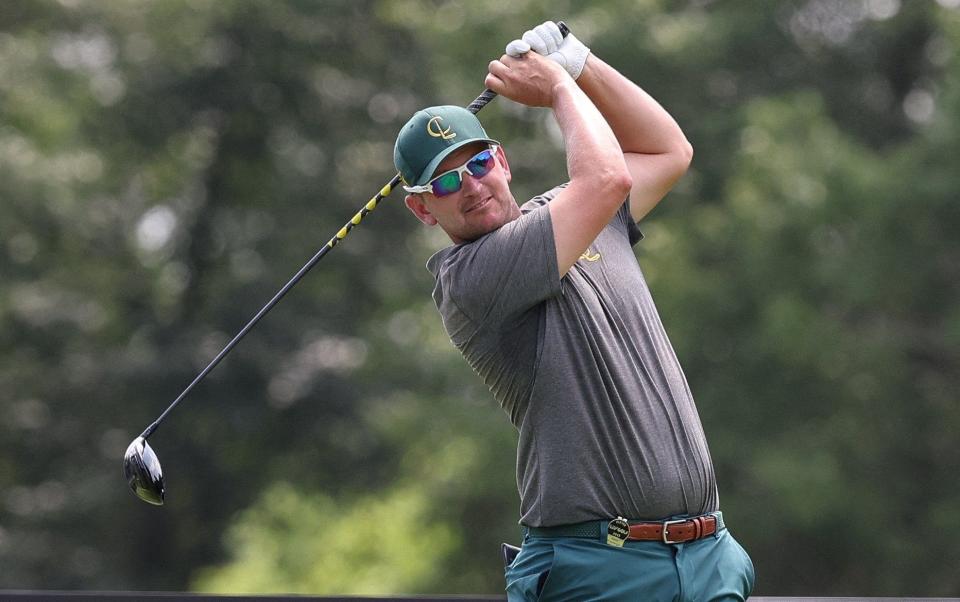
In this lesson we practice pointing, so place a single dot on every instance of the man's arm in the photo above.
(599, 176)
(654, 147)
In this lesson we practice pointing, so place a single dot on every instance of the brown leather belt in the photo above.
(670, 531)
(675, 531)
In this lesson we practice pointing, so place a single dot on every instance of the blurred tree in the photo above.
(292, 543)
(157, 158)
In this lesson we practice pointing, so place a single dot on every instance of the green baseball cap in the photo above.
(430, 136)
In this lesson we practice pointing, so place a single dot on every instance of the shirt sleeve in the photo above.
(501, 275)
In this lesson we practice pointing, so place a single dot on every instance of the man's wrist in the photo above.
(564, 87)
(589, 73)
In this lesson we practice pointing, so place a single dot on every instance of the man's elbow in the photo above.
(618, 183)
(678, 162)
(608, 182)
(623, 183)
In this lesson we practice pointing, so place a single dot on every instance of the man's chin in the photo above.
(480, 225)
(489, 224)
(472, 234)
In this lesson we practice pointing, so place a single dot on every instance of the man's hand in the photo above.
(546, 40)
(529, 79)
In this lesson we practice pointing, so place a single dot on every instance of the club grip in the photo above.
(481, 101)
(488, 94)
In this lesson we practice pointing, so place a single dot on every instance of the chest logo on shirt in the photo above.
(590, 256)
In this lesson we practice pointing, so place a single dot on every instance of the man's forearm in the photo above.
(640, 124)
(591, 146)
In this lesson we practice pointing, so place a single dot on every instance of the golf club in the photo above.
(141, 468)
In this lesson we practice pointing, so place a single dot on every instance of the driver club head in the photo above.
(142, 471)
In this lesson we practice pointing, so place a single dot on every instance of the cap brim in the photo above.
(427, 173)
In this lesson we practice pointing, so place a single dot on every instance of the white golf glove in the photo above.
(546, 39)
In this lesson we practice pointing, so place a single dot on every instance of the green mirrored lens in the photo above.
(446, 183)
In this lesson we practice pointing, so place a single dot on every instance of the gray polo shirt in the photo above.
(583, 367)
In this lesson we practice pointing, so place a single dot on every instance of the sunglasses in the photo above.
(450, 181)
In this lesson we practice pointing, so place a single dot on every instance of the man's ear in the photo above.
(504, 164)
(415, 204)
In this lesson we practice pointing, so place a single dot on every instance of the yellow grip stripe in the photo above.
(355, 220)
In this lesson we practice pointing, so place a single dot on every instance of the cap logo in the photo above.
(439, 132)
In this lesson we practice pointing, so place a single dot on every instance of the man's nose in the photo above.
(470, 184)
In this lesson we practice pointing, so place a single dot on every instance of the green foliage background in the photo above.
(165, 166)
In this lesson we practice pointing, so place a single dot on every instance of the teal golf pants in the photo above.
(554, 569)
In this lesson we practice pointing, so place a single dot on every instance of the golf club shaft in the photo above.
(474, 107)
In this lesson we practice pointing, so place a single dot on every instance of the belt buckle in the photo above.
(666, 524)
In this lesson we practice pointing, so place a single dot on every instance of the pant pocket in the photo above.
(528, 574)
(527, 588)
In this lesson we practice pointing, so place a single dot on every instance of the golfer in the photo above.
(547, 303)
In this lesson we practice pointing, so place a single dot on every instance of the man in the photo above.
(547, 303)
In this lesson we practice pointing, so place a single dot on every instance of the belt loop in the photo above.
(602, 536)
(720, 526)
(697, 527)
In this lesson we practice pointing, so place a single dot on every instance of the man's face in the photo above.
(480, 206)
